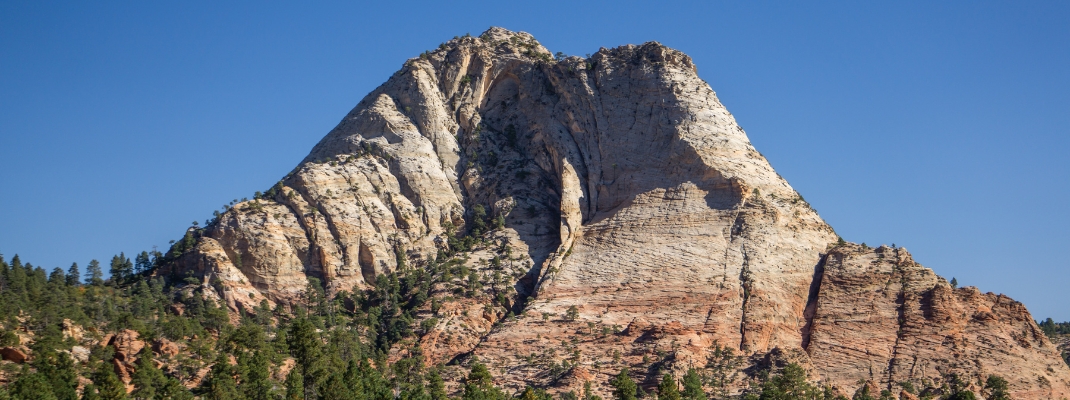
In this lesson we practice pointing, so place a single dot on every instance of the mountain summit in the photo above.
(575, 216)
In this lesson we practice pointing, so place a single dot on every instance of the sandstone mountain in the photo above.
(617, 216)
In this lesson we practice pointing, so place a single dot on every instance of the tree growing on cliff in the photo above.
(572, 313)
(996, 388)
(722, 367)
(221, 384)
(791, 384)
(957, 388)
(32, 386)
(479, 385)
(693, 386)
(106, 385)
(479, 219)
(146, 376)
(668, 389)
(624, 388)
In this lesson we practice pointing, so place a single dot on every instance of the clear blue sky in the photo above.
(944, 128)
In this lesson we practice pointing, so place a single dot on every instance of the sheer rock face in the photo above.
(631, 194)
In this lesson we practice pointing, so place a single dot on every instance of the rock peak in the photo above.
(588, 195)
(498, 33)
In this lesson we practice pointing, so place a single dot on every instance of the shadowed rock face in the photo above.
(630, 193)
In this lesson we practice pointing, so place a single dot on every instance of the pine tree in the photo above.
(863, 393)
(221, 385)
(668, 389)
(295, 385)
(96, 275)
(789, 384)
(142, 263)
(588, 394)
(147, 379)
(4, 271)
(572, 313)
(335, 388)
(304, 343)
(958, 388)
(408, 376)
(1049, 328)
(255, 374)
(74, 277)
(89, 392)
(531, 393)
(354, 378)
(375, 386)
(480, 386)
(121, 268)
(693, 386)
(55, 367)
(996, 388)
(479, 223)
(436, 386)
(173, 390)
(624, 388)
(32, 386)
(107, 384)
(57, 277)
(722, 365)
(954, 283)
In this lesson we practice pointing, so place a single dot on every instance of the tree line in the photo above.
(332, 347)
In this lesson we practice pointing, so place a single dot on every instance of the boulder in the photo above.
(14, 354)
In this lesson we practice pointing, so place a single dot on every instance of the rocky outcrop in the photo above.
(72, 331)
(14, 354)
(639, 228)
(879, 316)
(127, 346)
(80, 354)
(165, 348)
